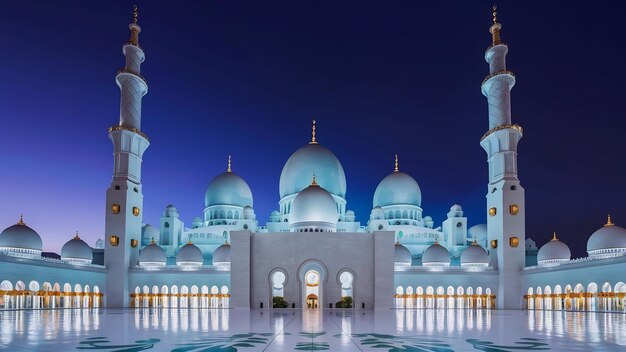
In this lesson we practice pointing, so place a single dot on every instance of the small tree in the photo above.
(279, 302)
(346, 302)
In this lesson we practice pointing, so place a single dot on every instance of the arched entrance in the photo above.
(312, 282)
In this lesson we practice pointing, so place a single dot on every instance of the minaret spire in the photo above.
(396, 168)
(123, 225)
(313, 141)
(506, 227)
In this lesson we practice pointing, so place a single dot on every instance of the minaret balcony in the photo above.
(503, 72)
(517, 128)
(136, 74)
(124, 128)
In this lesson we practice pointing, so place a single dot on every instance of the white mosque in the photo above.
(399, 258)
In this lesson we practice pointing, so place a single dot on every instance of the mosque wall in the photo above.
(329, 253)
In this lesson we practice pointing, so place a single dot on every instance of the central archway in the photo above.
(312, 276)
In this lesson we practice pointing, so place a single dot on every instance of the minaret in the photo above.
(124, 199)
(505, 195)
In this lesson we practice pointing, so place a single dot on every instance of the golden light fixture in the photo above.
(114, 240)
(115, 208)
(514, 242)
(493, 211)
(494, 244)
(136, 211)
(513, 209)
(134, 243)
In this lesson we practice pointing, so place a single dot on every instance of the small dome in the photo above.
(228, 189)
(456, 207)
(20, 238)
(275, 213)
(397, 188)
(607, 241)
(553, 252)
(189, 255)
(314, 209)
(152, 255)
(149, 233)
(170, 212)
(221, 256)
(402, 256)
(308, 160)
(478, 233)
(474, 255)
(76, 251)
(436, 255)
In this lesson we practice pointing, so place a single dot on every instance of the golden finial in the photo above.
(313, 182)
(554, 237)
(76, 237)
(152, 241)
(495, 28)
(226, 242)
(21, 221)
(474, 242)
(609, 222)
(313, 141)
(396, 168)
(135, 14)
(229, 169)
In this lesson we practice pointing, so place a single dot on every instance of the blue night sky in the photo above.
(246, 78)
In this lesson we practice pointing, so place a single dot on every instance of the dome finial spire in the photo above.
(229, 168)
(609, 222)
(152, 241)
(495, 27)
(313, 182)
(554, 237)
(313, 141)
(76, 237)
(189, 239)
(21, 221)
(396, 167)
(135, 14)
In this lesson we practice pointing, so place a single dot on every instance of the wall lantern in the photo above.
(115, 208)
(114, 240)
(135, 211)
(134, 243)
(514, 242)
(492, 211)
(514, 209)
(494, 244)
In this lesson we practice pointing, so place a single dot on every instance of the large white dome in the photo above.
(397, 188)
(228, 189)
(314, 209)
(77, 251)
(152, 255)
(308, 160)
(20, 238)
(189, 255)
(474, 255)
(553, 252)
(436, 255)
(607, 241)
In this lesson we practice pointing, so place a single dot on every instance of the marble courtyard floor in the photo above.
(194, 330)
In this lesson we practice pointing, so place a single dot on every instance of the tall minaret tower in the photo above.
(124, 200)
(505, 195)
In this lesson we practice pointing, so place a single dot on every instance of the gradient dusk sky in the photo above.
(246, 78)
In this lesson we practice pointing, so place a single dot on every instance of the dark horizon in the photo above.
(246, 79)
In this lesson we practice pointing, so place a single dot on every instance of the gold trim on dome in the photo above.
(21, 220)
(313, 182)
(518, 128)
(228, 169)
(396, 165)
(124, 128)
(313, 141)
(554, 237)
(609, 222)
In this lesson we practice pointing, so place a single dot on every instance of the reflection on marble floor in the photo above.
(191, 330)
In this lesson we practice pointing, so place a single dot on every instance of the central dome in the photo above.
(228, 189)
(308, 160)
(314, 209)
(397, 188)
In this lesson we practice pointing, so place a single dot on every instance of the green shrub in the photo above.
(279, 302)
(346, 302)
